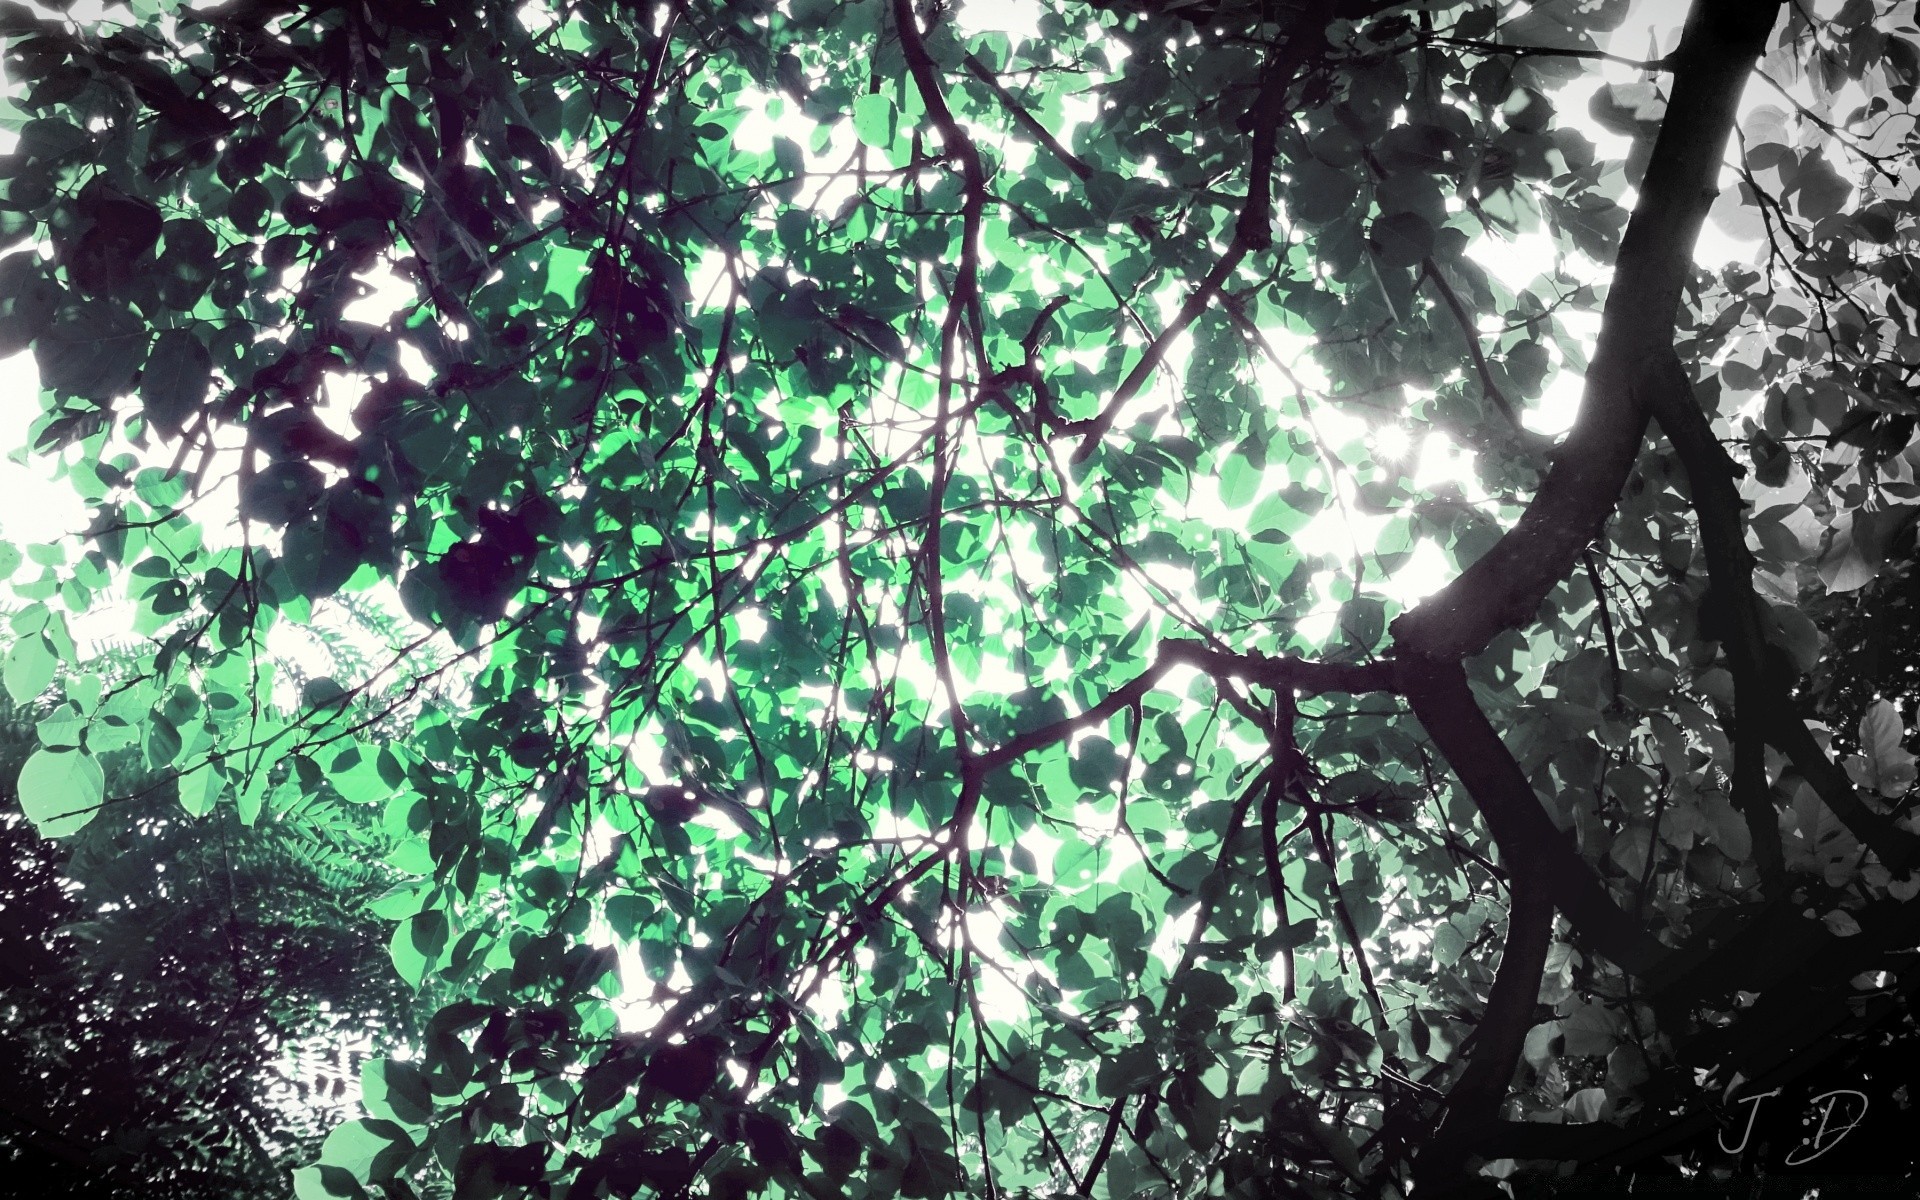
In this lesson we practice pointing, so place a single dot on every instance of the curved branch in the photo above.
(1721, 519)
(1323, 846)
(1095, 427)
(1546, 872)
(1535, 444)
(1286, 753)
(1497, 49)
(1115, 1116)
(1894, 845)
(1504, 587)
(1252, 230)
(1296, 674)
(1606, 619)
(1764, 711)
(1027, 122)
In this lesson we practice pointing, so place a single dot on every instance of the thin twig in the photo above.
(1606, 618)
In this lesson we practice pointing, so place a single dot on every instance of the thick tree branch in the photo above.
(1286, 751)
(1504, 588)
(1521, 828)
(1307, 33)
(1546, 871)
(1473, 1103)
(1115, 1116)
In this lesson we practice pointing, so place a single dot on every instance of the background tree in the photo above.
(187, 1000)
(808, 425)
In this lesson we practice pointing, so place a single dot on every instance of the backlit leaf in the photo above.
(61, 791)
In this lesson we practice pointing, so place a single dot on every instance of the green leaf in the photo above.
(61, 791)
(326, 1183)
(418, 943)
(282, 492)
(250, 205)
(252, 798)
(92, 351)
(359, 1148)
(1630, 850)
(62, 730)
(1077, 864)
(567, 272)
(1364, 620)
(1300, 933)
(1240, 480)
(28, 301)
(1881, 734)
(200, 790)
(1848, 563)
(1123, 1073)
(1208, 991)
(1318, 193)
(51, 138)
(1590, 1027)
(28, 668)
(322, 553)
(175, 381)
(1281, 515)
(873, 119)
(1538, 1048)
(396, 1091)
(1816, 188)
(1402, 239)
(1726, 827)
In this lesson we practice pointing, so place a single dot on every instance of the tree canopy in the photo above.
(911, 684)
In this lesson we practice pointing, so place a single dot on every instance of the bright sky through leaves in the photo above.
(999, 598)
(48, 512)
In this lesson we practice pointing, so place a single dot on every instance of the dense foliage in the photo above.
(863, 481)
